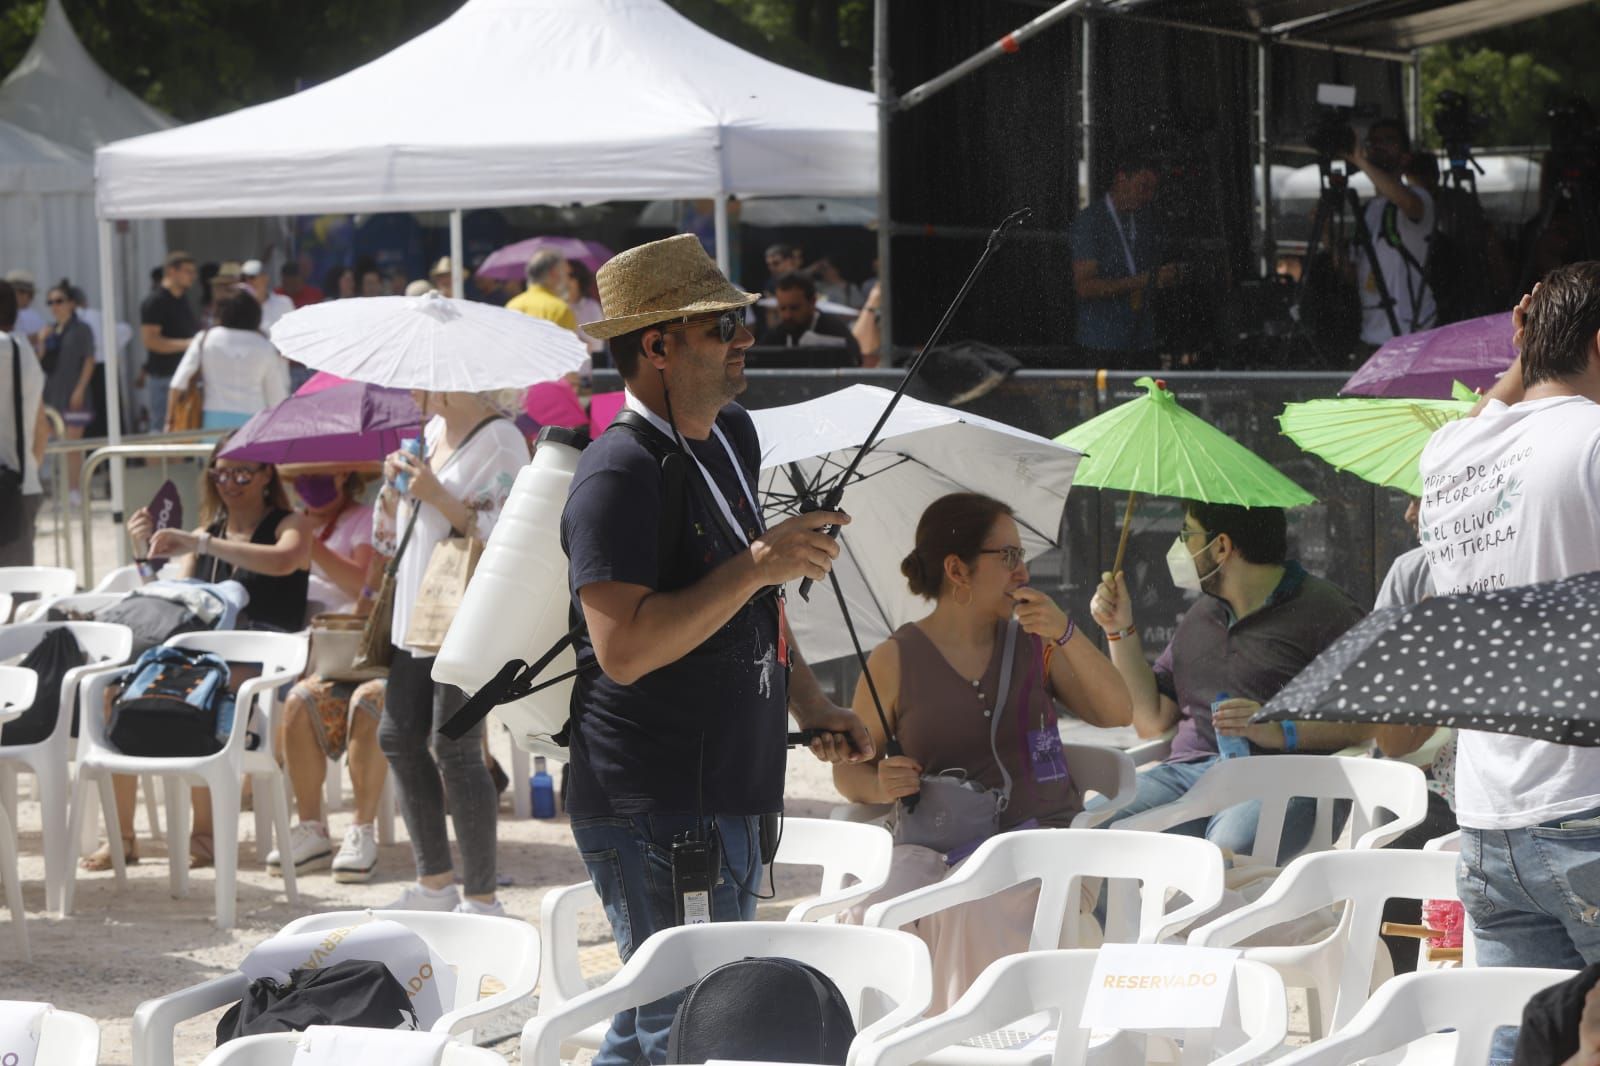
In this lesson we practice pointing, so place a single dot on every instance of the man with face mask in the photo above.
(1261, 619)
(1401, 220)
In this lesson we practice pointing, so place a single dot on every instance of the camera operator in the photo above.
(1116, 252)
(677, 742)
(1401, 220)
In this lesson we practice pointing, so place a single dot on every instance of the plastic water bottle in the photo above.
(1229, 747)
(544, 790)
(411, 446)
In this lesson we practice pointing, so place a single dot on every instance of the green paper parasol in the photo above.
(1153, 446)
(1377, 439)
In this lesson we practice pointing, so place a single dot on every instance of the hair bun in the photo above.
(911, 569)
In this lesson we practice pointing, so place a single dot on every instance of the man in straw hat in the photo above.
(683, 725)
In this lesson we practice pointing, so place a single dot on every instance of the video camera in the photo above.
(1457, 123)
(1331, 134)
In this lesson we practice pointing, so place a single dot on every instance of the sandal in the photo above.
(202, 853)
(100, 860)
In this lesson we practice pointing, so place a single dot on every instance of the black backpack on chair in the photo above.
(51, 658)
(764, 1009)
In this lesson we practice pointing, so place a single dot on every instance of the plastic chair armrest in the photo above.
(544, 1035)
(1159, 819)
(829, 903)
(869, 813)
(156, 1020)
(1154, 750)
(92, 697)
(975, 880)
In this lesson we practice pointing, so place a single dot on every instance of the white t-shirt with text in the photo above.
(1510, 498)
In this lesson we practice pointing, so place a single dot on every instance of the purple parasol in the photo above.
(1424, 365)
(509, 263)
(348, 423)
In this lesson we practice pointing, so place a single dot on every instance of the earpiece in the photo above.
(657, 347)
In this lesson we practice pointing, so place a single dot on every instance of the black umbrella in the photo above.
(1519, 660)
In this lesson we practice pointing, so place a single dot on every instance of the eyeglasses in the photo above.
(239, 475)
(55, 301)
(728, 324)
(1011, 557)
(1187, 533)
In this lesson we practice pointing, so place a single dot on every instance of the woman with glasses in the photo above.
(68, 359)
(940, 682)
(247, 534)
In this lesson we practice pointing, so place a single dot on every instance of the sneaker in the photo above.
(472, 906)
(310, 847)
(417, 898)
(358, 855)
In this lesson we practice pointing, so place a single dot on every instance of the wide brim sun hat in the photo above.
(662, 281)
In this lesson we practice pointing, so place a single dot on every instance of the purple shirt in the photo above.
(1248, 658)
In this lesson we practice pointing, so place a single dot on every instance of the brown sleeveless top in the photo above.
(942, 726)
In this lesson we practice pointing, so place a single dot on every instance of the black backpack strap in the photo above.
(16, 407)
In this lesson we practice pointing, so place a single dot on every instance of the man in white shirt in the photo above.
(274, 305)
(30, 323)
(17, 354)
(1512, 497)
(1401, 220)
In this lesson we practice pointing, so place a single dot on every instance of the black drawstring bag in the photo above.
(802, 1016)
(353, 992)
(51, 658)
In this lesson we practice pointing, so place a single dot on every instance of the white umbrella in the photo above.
(926, 451)
(428, 342)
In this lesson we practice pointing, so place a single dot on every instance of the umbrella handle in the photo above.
(1127, 527)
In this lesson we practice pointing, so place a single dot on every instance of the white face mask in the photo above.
(1181, 565)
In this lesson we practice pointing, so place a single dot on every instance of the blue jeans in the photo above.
(1234, 828)
(1533, 898)
(155, 397)
(630, 862)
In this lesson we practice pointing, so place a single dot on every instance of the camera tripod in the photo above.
(1570, 190)
(1332, 202)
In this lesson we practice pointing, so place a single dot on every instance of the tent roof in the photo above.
(30, 163)
(59, 91)
(514, 102)
(1398, 25)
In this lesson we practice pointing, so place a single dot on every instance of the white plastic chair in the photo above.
(1342, 968)
(868, 966)
(475, 945)
(282, 657)
(5, 607)
(1373, 786)
(1094, 768)
(105, 647)
(17, 687)
(42, 581)
(122, 579)
(1018, 986)
(843, 850)
(1415, 1006)
(1059, 859)
(280, 1049)
(68, 1039)
(82, 602)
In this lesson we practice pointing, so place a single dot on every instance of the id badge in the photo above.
(1045, 756)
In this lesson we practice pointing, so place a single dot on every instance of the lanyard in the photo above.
(635, 405)
(1127, 238)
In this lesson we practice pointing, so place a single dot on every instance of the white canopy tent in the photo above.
(596, 100)
(46, 207)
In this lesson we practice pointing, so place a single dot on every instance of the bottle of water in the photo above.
(1229, 747)
(412, 446)
(544, 790)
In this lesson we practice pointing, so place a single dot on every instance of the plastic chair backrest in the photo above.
(842, 849)
(870, 967)
(81, 602)
(1472, 1001)
(43, 580)
(1373, 786)
(1059, 859)
(68, 1039)
(122, 579)
(18, 685)
(276, 652)
(280, 1049)
(1363, 881)
(1057, 982)
(481, 946)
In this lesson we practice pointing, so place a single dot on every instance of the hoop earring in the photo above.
(959, 603)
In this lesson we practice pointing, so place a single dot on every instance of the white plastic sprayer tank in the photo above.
(516, 604)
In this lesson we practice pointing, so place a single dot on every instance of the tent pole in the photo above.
(1269, 254)
(457, 267)
(1086, 102)
(113, 361)
(719, 216)
(1414, 96)
(886, 105)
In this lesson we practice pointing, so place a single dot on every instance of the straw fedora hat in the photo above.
(659, 282)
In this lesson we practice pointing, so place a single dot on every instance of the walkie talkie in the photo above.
(696, 866)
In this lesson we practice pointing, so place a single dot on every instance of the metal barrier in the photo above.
(143, 447)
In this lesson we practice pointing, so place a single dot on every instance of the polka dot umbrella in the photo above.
(1522, 660)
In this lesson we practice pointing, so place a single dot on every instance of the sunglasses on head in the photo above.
(239, 475)
(728, 323)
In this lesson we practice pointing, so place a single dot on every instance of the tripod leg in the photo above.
(1364, 238)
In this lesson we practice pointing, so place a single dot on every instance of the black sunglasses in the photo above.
(239, 475)
(728, 323)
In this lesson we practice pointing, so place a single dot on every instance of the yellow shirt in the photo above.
(539, 302)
